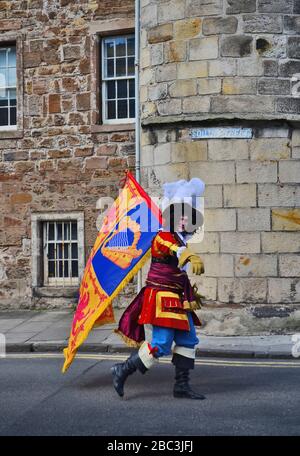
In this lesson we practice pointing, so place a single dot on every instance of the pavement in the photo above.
(48, 331)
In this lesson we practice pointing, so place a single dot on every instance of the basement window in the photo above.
(60, 242)
(57, 250)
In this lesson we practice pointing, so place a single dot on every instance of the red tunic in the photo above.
(163, 303)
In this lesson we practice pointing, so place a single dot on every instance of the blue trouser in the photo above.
(162, 338)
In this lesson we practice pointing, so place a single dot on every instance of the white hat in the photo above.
(183, 191)
(183, 197)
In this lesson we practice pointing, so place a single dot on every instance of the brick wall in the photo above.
(59, 161)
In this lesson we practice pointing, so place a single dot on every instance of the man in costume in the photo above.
(168, 300)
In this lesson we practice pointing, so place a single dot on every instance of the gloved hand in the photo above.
(195, 260)
(197, 265)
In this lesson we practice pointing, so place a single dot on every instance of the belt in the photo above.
(167, 260)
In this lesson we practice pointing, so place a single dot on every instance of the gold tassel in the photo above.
(129, 342)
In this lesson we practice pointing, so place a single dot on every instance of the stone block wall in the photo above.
(60, 160)
(234, 63)
(217, 58)
(251, 242)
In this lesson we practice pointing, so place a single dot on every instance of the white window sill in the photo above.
(8, 127)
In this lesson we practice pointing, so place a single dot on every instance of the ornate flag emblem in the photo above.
(121, 248)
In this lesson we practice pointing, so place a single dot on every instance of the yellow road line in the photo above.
(199, 362)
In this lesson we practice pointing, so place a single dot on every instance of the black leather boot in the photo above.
(121, 371)
(182, 388)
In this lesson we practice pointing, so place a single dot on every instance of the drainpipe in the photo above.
(137, 109)
(137, 93)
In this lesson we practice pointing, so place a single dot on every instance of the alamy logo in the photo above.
(296, 346)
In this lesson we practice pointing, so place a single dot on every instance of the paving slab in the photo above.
(52, 316)
(46, 331)
(18, 337)
(51, 334)
(7, 325)
(23, 314)
(36, 327)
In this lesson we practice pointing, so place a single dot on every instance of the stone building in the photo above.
(213, 69)
(66, 135)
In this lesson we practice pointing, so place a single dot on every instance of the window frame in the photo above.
(98, 29)
(37, 221)
(104, 79)
(15, 39)
(7, 87)
(59, 281)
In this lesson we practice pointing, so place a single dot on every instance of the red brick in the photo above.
(4, 177)
(36, 45)
(68, 68)
(32, 59)
(48, 70)
(27, 143)
(117, 162)
(59, 153)
(59, 120)
(10, 221)
(46, 142)
(55, 131)
(67, 105)
(35, 4)
(46, 165)
(35, 105)
(70, 84)
(84, 129)
(8, 24)
(15, 155)
(36, 155)
(24, 167)
(71, 52)
(72, 140)
(131, 161)
(50, 56)
(83, 101)
(96, 163)
(85, 66)
(75, 118)
(21, 198)
(106, 149)
(54, 103)
(83, 151)
(8, 144)
(119, 137)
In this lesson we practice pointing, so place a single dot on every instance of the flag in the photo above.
(121, 249)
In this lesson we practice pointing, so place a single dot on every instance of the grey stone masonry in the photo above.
(252, 208)
(230, 63)
(201, 39)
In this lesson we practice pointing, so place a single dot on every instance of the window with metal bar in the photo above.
(8, 81)
(60, 252)
(118, 76)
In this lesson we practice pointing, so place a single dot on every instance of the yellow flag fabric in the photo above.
(121, 248)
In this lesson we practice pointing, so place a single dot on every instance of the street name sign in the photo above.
(220, 132)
